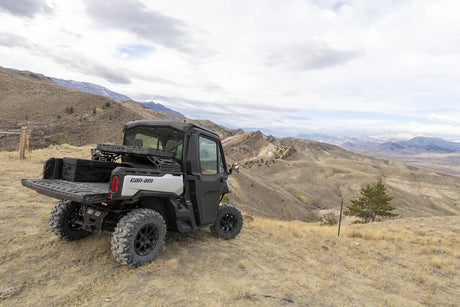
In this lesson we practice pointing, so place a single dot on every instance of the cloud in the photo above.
(70, 59)
(134, 16)
(25, 8)
(418, 128)
(12, 40)
(272, 120)
(452, 117)
(310, 55)
(338, 5)
(91, 67)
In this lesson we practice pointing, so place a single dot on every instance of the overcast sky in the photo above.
(285, 67)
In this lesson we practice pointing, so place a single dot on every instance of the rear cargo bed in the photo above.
(82, 192)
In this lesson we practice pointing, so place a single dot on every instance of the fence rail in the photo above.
(24, 139)
(10, 131)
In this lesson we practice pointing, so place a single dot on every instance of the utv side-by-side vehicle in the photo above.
(167, 175)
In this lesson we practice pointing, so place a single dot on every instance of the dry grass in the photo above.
(318, 175)
(406, 262)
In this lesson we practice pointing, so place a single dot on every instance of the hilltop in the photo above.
(96, 89)
(404, 262)
(91, 88)
(296, 179)
(58, 114)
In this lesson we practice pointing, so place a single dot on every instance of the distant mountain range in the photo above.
(338, 140)
(158, 107)
(382, 147)
(414, 146)
(92, 88)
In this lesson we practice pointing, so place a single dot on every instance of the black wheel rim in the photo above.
(228, 223)
(74, 216)
(145, 240)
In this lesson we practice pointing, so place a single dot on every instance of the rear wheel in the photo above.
(229, 222)
(65, 221)
(138, 237)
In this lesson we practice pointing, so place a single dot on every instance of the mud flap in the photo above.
(92, 219)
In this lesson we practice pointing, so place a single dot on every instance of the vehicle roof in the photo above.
(179, 125)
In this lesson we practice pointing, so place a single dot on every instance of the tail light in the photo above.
(114, 186)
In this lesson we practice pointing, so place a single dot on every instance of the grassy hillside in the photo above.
(295, 179)
(404, 262)
(58, 114)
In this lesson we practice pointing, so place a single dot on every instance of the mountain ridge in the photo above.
(283, 178)
(91, 88)
(158, 107)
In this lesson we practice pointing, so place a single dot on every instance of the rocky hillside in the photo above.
(297, 179)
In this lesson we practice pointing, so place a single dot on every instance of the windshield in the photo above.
(162, 138)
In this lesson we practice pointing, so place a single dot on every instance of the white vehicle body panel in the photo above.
(167, 183)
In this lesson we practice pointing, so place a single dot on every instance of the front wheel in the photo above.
(65, 221)
(229, 222)
(138, 237)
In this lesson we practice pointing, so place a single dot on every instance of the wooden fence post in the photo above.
(29, 137)
(23, 143)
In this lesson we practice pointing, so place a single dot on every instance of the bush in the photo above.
(328, 219)
(373, 203)
(69, 110)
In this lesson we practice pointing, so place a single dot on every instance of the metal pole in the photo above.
(340, 217)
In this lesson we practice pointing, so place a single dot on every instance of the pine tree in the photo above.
(374, 202)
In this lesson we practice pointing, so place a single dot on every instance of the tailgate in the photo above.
(82, 192)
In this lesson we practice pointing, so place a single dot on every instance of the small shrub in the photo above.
(328, 219)
(69, 110)
(94, 111)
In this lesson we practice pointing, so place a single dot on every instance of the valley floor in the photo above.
(404, 262)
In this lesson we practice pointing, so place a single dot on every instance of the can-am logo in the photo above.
(141, 180)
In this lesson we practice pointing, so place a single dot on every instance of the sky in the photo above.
(291, 67)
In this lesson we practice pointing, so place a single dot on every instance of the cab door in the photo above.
(210, 178)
